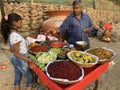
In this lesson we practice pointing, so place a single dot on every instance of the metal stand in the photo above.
(96, 85)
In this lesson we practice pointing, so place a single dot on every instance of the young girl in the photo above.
(9, 26)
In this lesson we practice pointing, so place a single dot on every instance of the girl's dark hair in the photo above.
(75, 2)
(6, 24)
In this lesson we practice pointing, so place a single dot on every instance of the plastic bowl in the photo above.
(63, 81)
(57, 44)
(83, 43)
(106, 59)
(86, 65)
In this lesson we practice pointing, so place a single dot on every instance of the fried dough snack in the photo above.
(101, 53)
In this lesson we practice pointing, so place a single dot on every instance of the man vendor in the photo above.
(77, 25)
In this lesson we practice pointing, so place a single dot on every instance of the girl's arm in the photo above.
(17, 54)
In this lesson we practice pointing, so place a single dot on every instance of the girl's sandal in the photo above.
(3, 67)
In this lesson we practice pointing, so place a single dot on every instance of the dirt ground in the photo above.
(107, 81)
(110, 80)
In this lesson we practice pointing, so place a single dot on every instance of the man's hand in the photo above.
(53, 31)
(87, 30)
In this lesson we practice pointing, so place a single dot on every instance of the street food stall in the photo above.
(91, 74)
(90, 64)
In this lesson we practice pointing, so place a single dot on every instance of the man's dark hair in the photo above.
(75, 2)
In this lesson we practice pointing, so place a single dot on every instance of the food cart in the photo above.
(91, 74)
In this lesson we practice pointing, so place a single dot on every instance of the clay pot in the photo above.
(55, 20)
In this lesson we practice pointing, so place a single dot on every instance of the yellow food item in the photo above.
(82, 57)
(77, 54)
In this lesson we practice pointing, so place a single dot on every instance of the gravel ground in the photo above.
(107, 81)
(110, 79)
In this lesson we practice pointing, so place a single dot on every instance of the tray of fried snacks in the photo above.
(104, 54)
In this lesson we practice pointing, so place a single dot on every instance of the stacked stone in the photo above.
(34, 15)
(23, 10)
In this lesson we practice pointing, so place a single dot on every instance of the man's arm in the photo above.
(64, 26)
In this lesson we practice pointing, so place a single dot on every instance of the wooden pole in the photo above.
(2, 8)
(8, 1)
(94, 4)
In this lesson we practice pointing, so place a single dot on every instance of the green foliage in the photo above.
(100, 4)
(49, 1)
(116, 1)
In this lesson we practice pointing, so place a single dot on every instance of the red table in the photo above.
(91, 74)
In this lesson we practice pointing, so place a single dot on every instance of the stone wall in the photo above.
(33, 15)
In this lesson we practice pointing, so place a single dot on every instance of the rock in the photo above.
(4, 47)
(116, 35)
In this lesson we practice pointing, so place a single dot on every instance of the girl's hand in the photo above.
(32, 63)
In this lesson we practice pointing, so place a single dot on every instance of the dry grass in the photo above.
(100, 4)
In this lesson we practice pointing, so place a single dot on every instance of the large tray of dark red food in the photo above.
(38, 48)
(64, 72)
(91, 74)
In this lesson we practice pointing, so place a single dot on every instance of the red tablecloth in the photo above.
(91, 74)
